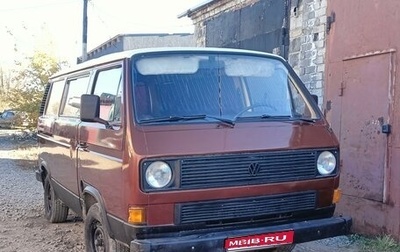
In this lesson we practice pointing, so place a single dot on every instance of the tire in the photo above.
(97, 238)
(55, 210)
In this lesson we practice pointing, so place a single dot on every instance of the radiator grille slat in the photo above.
(233, 170)
(246, 208)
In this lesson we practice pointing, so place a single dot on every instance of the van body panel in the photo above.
(100, 164)
(69, 198)
(57, 141)
(65, 169)
(167, 200)
(212, 138)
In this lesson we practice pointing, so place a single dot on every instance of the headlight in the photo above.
(326, 163)
(158, 174)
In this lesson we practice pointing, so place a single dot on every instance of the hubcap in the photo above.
(98, 238)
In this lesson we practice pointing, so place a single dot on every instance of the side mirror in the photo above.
(315, 97)
(90, 109)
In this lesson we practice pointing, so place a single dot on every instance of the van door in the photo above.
(63, 169)
(100, 148)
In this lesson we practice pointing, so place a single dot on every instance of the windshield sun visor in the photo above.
(167, 65)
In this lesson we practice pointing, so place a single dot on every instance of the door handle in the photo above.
(82, 147)
(386, 129)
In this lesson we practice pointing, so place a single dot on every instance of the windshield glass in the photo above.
(212, 86)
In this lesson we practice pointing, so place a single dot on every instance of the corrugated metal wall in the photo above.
(261, 26)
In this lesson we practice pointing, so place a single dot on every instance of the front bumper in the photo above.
(304, 231)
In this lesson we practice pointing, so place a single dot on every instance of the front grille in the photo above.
(247, 169)
(265, 206)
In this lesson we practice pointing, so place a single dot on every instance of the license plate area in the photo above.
(259, 241)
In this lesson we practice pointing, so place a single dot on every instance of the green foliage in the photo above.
(4, 87)
(380, 243)
(29, 83)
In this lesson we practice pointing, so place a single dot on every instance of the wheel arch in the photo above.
(90, 196)
(43, 170)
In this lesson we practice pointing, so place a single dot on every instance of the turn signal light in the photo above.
(136, 215)
(337, 195)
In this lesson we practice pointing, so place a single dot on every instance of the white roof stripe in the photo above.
(128, 54)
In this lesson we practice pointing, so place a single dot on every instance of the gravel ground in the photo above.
(22, 223)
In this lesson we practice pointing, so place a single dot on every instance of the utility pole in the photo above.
(84, 32)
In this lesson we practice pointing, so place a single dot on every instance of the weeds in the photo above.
(20, 146)
(383, 243)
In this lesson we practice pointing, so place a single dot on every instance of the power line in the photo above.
(102, 21)
(129, 22)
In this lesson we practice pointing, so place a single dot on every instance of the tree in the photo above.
(5, 79)
(28, 85)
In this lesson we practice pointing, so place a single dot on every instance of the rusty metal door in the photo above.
(358, 93)
(361, 102)
(365, 106)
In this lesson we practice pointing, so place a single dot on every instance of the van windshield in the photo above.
(196, 87)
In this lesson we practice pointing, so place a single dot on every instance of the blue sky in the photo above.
(56, 25)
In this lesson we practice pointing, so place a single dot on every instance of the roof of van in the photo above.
(129, 53)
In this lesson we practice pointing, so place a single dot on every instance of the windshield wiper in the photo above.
(171, 119)
(188, 118)
(306, 119)
(291, 118)
(225, 121)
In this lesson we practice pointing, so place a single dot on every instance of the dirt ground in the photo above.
(23, 227)
(22, 223)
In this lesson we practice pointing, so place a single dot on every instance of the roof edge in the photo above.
(196, 8)
(137, 35)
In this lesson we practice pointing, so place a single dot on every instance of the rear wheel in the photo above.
(54, 209)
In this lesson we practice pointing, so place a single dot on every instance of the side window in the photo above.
(54, 102)
(75, 88)
(108, 87)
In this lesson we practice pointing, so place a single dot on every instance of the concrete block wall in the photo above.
(307, 43)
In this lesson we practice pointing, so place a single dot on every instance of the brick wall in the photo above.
(307, 43)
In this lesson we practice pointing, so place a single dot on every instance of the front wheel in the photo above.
(55, 210)
(97, 238)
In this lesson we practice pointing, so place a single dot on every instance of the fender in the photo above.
(40, 173)
(93, 192)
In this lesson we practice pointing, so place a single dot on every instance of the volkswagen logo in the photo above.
(254, 169)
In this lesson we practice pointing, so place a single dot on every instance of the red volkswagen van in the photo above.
(189, 149)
